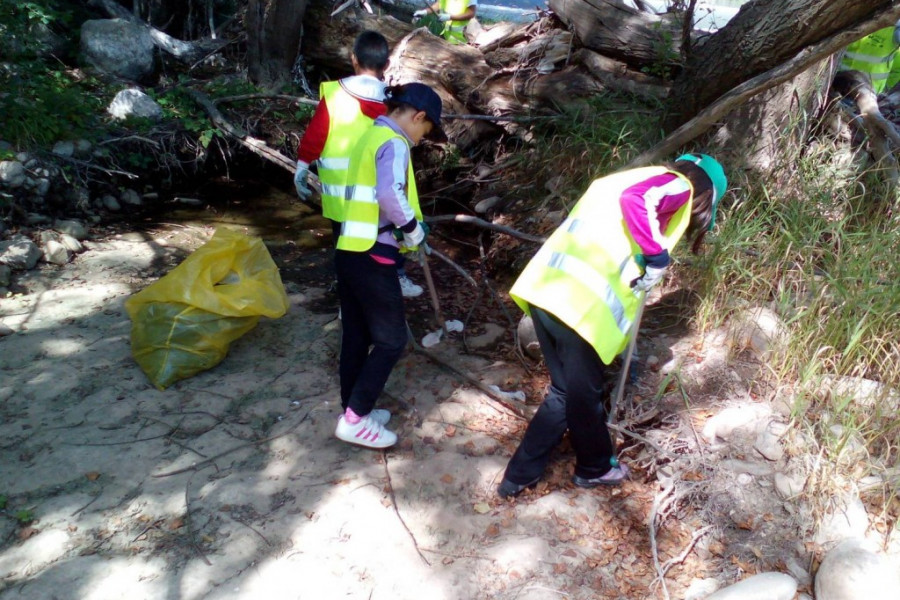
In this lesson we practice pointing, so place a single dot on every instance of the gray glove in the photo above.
(651, 276)
(303, 189)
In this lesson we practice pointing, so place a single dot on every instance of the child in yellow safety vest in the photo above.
(381, 201)
(583, 289)
(454, 14)
(346, 110)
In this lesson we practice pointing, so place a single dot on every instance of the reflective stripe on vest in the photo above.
(873, 55)
(360, 226)
(582, 274)
(346, 125)
(454, 31)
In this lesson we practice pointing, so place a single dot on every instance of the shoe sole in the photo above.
(356, 442)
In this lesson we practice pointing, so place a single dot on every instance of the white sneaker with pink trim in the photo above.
(368, 432)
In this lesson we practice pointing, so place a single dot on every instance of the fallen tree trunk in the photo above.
(614, 29)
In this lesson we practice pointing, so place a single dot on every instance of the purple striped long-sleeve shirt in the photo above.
(391, 168)
(648, 207)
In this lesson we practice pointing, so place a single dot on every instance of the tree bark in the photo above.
(611, 28)
(764, 35)
(273, 39)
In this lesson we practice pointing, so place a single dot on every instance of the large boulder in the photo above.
(854, 571)
(19, 252)
(118, 47)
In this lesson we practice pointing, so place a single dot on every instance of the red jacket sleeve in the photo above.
(315, 135)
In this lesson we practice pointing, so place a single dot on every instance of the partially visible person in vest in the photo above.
(583, 289)
(382, 205)
(875, 55)
(346, 109)
(455, 15)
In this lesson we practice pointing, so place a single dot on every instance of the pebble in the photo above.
(12, 173)
(764, 586)
(110, 203)
(64, 148)
(768, 444)
(787, 486)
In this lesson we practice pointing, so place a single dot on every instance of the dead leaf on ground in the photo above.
(482, 508)
(92, 475)
(176, 523)
(493, 530)
(447, 478)
(27, 532)
(450, 430)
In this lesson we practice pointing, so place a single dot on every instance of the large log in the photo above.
(614, 29)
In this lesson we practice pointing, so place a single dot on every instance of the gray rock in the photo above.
(749, 467)
(758, 329)
(787, 486)
(19, 253)
(764, 586)
(74, 228)
(745, 416)
(36, 219)
(118, 47)
(83, 147)
(846, 518)
(12, 173)
(5, 330)
(134, 103)
(528, 341)
(131, 197)
(5, 275)
(797, 571)
(65, 148)
(23, 157)
(852, 571)
(487, 204)
(861, 391)
(110, 203)
(70, 243)
(42, 187)
(56, 253)
(489, 339)
(768, 444)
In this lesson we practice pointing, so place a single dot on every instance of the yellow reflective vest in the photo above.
(583, 272)
(874, 55)
(346, 124)
(454, 31)
(360, 226)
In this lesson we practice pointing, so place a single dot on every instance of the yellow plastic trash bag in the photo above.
(184, 323)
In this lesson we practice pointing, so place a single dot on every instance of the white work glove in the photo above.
(444, 17)
(303, 189)
(420, 13)
(414, 237)
(651, 276)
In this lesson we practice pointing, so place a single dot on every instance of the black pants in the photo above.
(373, 327)
(574, 402)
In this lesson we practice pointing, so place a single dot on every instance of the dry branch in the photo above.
(255, 145)
(486, 225)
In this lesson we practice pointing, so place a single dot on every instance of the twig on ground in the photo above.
(456, 267)
(242, 97)
(188, 521)
(687, 550)
(454, 555)
(469, 219)
(251, 528)
(651, 526)
(687, 406)
(641, 438)
(94, 499)
(515, 410)
(387, 473)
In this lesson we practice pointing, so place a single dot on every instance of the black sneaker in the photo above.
(508, 489)
(614, 476)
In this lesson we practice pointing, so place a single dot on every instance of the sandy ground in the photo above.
(230, 484)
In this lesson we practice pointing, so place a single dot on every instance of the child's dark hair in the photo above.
(371, 51)
(702, 203)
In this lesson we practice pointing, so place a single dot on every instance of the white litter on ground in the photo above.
(434, 338)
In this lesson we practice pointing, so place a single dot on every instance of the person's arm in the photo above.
(316, 134)
(465, 16)
(392, 164)
(647, 207)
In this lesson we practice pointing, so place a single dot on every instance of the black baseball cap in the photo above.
(421, 97)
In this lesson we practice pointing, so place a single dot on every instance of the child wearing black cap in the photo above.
(381, 198)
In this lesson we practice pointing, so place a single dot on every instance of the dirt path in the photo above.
(230, 484)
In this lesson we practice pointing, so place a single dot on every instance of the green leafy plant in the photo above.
(24, 516)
